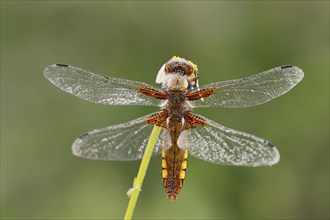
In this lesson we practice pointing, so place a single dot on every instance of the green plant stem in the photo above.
(134, 192)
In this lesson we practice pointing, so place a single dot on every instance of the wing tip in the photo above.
(274, 152)
(47, 71)
(296, 69)
(276, 156)
(75, 148)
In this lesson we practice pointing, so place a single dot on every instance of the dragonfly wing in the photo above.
(218, 144)
(253, 90)
(97, 88)
(119, 142)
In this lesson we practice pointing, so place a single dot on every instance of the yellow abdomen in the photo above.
(174, 165)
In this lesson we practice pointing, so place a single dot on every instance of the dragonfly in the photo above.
(183, 131)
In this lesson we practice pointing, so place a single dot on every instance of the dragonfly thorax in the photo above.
(177, 105)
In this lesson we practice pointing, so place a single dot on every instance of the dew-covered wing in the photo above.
(253, 90)
(97, 88)
(218, 144)
(119, 142)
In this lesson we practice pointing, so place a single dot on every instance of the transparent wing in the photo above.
(119, 142)
(218, 144)
(253, 90)
(97, 88)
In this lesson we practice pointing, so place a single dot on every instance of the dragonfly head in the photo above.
(178, 72)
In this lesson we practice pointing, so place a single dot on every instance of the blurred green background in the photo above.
(40, 178)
